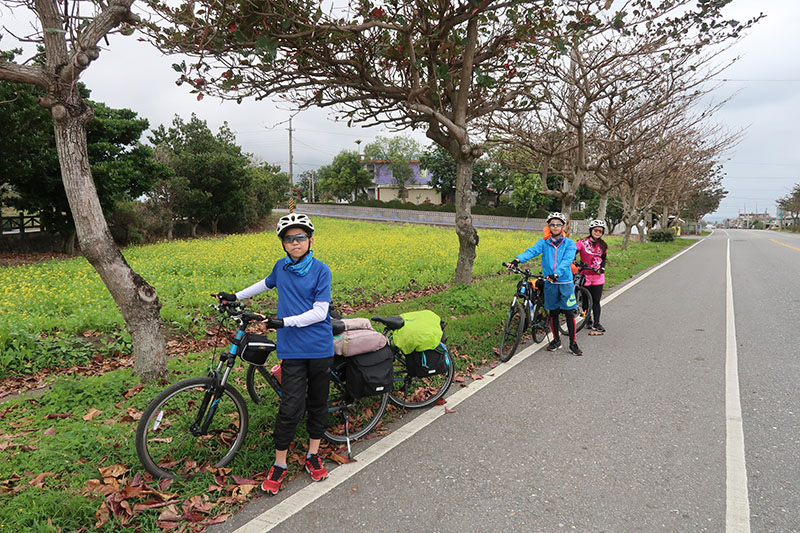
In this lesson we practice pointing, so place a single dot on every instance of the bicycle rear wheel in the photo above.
(168, 442)
(512, 332)
(541, 323)
(413, 392)
(348, 416)
(584, 298)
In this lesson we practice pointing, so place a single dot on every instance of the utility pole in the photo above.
(291, 164)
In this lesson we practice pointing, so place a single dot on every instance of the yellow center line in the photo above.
(786, 245)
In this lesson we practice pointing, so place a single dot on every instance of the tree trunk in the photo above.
(640, 227)
(214, 224)
(626, 238)
(171, 229)
(136, 299)
(602, 207)
(194, 229)
(68, 242)
(467, 234)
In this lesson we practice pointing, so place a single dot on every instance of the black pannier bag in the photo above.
(256, 349)
(370, 373)
(428, 362)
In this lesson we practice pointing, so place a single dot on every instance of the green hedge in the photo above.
(662, 235)
(503, 210)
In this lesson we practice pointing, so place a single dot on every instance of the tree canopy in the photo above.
(122, 167)
(345, 177)
(218, 184)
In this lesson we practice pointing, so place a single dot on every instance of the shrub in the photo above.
(662, 235)
(577, 215)
(127, 223)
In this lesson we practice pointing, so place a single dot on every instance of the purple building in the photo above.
(418, 189)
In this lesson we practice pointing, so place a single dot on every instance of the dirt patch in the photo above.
(9, 259)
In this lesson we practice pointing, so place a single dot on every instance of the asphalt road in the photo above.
(629, 437)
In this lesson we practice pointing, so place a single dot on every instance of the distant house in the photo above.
(749, 220)
(417, 191)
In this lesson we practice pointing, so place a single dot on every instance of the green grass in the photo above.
(73, 449)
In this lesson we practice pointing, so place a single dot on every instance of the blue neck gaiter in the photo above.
(299, 268)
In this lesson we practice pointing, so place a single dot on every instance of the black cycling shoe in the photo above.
(554, 345)
(573, 347)
(598, 327)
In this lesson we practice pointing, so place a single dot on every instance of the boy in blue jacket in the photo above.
(305, 344)
(558, 253)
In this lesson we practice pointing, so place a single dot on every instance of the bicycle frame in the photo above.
(527, 291)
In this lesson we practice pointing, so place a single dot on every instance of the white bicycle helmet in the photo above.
(294, 220)
(597, 223)
(559, 216)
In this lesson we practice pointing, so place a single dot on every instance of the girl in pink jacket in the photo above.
(592, 251)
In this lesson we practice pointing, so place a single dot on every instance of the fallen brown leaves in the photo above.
(125, 497)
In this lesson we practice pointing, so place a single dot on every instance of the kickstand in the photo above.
(347, 434)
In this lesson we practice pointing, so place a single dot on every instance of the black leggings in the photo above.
(596, 291)
(570, 314)
(304, 385)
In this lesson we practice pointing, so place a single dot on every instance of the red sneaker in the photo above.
(272, 484)
(315, 468)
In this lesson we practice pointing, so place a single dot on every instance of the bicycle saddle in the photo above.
(391, 322)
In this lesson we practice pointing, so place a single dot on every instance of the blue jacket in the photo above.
(555, 259)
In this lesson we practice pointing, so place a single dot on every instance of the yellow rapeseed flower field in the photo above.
(368, 260)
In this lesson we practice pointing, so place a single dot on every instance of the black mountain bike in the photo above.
(203, 421)
(584, 301)
(410, 390)
(527, 311)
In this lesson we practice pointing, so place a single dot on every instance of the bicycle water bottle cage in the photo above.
(391, 322)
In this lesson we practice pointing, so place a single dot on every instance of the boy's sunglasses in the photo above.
(300, 237)
(556, 225)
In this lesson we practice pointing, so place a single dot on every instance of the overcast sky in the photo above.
(766, 80)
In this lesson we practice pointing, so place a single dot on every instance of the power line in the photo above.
(761, 178)
(757, 80)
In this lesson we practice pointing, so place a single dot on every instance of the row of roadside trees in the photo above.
(534, 76)
(789, 207)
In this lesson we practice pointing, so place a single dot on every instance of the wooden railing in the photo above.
(20, 224)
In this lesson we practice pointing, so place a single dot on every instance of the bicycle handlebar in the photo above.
(235, 311)
(583, 266)
(527, 273)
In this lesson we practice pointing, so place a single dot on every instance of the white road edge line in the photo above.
(304, 497)
(737, 504)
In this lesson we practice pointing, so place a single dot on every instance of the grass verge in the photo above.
(70, 459)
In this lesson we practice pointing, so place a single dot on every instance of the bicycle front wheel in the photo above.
(541, 323)
(512, 332)
(350, 417)
(169, 441)
(584, 298)
(414, 392)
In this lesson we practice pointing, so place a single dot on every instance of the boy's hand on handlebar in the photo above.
(273, 323)
(225, 297)
(512, 265)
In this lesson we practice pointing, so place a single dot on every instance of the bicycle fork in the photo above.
(212, 396)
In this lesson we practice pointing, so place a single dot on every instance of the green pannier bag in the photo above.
(422, 330)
